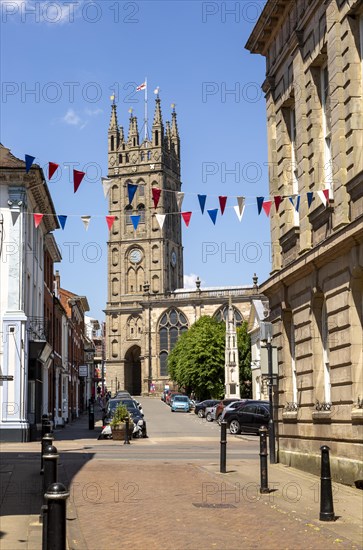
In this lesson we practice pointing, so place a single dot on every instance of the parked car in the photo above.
(136, 415)
(164, 394)
(174, 395)
(180, 403)
(210, 413)
(221, 406)
(122, 394)
(200, 407)
(249, 417)
(170, 395)
(233, 406)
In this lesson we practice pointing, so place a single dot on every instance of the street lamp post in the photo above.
(266, 336)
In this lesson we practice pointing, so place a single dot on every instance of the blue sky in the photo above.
(59, 67)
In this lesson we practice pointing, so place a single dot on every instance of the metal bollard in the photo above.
(127, 439)
(91, 415)
(263, 460)
(47, 440)
(46, 425)
(50, 459)
(223, 456)
(326, 493)
(56, 496)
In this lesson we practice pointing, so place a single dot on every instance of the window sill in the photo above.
(322, 417)
(357, 416)
(289, 416)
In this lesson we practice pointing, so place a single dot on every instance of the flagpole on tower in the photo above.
(145, 108)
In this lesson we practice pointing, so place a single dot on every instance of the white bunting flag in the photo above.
(323, 196)
(239, 211)
(106, 182)
(86, 220)
(241, 205)
(161, 219)
(179, 199)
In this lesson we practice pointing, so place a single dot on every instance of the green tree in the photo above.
(197, 361)
(244, 356)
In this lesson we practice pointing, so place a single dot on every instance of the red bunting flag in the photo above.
(278, 200)
(186, 217)
(37, 219)
(326, 194)
(156, 196)
(267, 207)
(222, 203)
(77, 179)
(51, 169)
(110, 220)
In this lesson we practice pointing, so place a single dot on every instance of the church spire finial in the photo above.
(113, 121)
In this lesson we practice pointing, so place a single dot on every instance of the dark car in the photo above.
(200, 407)
(249, 417)
(137, 416)
(221, 405)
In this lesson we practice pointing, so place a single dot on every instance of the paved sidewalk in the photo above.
(148, 504)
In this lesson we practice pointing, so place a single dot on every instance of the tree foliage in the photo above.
(197, 361)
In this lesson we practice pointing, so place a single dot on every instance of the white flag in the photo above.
(239, 211)
(141, 87)
(86, 220)
(322, 196)
(106, 182)
(161, 219)
(241, 204)
(179, 199)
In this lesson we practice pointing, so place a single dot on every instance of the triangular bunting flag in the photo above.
(28, 163)
(278, 200)
(323, 196)
(179, 199)
(267, 207)
(110, 220)
(14, 216)
(135, 220)
(202, 199)
(37, 219)
(241, 205)
(160, 219)
(213, 214)
(106, 184)
(222, 203)
(62, 220)
(86, 220)
(239, 211)
(186, 217)
(296, 204)
(52, 168)
(77, 179)
(259, 204)
(131, 190)
(156, 196)
(310, 197)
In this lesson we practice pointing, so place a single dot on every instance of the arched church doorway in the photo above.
(133, 371)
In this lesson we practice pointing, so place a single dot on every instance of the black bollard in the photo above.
(127, 439)
(56, 496)
(50, 460)
(223, 456)
(263, 460)
(91, 415)
(47, 440)
(326, 492)
(46, 425)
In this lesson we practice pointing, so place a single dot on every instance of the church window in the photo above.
(149, 155)
(156, 137)
(127, 157)
(120, 159)
(142, 156)
(141, 190)
(222, 313)
(172, 324)
(112, 143)
(133, 327)
(128, 214)
(141, 212)
(134, 142)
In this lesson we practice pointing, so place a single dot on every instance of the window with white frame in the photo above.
(326, 126)
(325, 346)
(294, 170)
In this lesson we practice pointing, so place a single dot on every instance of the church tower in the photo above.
(146, 258)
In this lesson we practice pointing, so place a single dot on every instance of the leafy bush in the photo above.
(120, 415)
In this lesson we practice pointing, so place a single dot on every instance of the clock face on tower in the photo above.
(173, 258)
(135, 256)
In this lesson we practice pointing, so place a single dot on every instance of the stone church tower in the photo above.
(147, 259)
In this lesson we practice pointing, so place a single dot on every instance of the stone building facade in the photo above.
(314, 97)
(145, 312)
